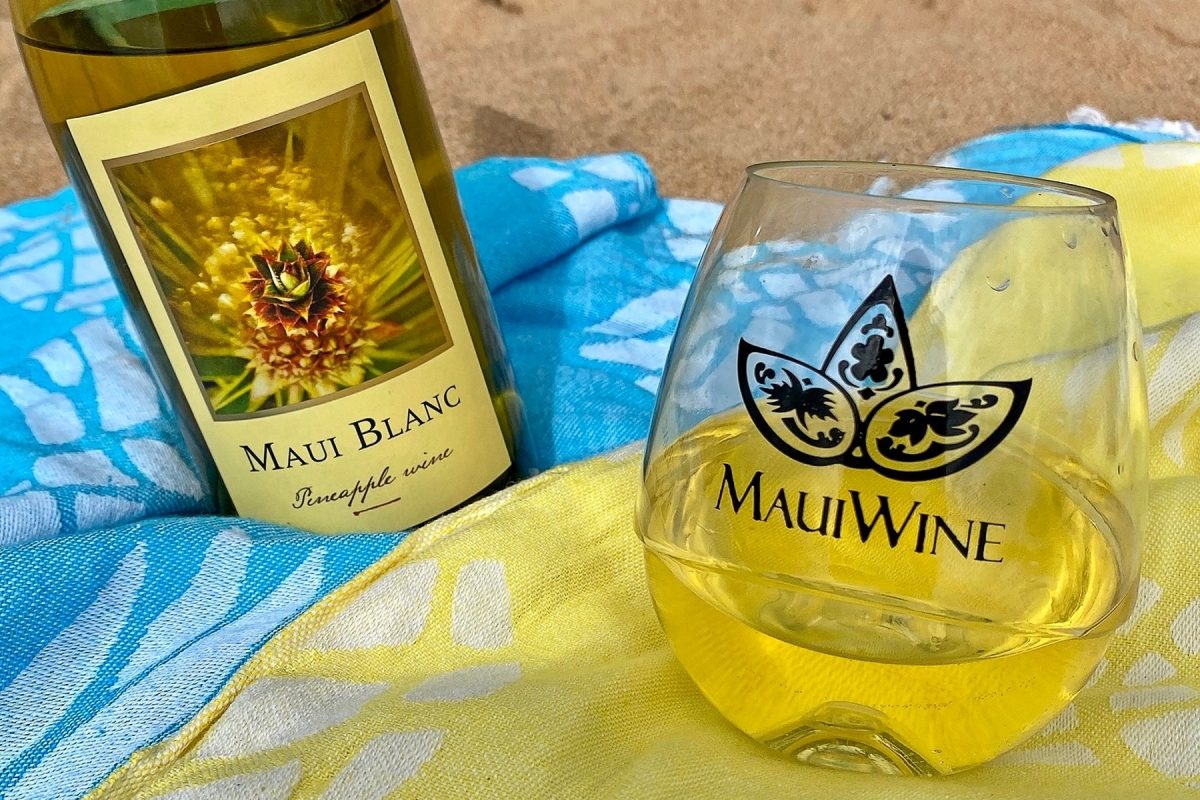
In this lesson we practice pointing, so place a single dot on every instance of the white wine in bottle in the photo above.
(270, 188)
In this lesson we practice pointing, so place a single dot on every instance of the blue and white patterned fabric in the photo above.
(1035, 151)
(588, 328)
(123, 618)
(87, 441)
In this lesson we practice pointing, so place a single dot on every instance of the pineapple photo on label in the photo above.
(286, 258)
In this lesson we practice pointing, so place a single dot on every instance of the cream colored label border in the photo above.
(386, 486)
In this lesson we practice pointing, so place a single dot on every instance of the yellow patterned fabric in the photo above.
(511, 650)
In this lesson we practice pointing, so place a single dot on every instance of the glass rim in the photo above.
(1094, 200)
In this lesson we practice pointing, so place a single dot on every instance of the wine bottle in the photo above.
(271, 191)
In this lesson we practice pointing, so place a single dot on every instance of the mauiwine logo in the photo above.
(864, 408)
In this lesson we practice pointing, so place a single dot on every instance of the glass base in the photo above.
(852, 738)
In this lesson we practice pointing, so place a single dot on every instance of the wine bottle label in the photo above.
(278, 235)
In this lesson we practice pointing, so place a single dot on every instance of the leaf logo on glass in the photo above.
(864, 407)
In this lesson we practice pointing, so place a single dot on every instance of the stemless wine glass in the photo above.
(893, 493)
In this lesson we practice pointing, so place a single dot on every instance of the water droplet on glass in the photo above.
(1070, 240)
(998, 284)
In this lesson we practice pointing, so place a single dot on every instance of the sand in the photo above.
(703, 88)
